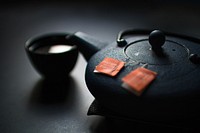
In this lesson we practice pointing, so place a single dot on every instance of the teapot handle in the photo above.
(120, 38)
(121, 42)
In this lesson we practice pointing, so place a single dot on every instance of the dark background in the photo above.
(28, 104)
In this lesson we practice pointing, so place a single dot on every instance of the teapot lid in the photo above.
(155, 51)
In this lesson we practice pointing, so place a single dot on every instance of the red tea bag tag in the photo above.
(109, 66)
(137, 80)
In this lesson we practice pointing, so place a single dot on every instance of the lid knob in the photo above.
(156, 39)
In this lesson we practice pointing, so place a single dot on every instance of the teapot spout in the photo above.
(86, 44)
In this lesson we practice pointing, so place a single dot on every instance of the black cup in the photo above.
(52, 55)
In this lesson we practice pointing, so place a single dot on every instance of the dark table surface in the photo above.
(30, 105)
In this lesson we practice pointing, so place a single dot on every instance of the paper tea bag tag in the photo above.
(137, 80)
(109, 66)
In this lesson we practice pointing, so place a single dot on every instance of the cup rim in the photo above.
(32, 40)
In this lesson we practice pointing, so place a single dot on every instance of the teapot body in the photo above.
(175, 93)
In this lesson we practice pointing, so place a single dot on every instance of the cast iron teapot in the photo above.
(175, 93)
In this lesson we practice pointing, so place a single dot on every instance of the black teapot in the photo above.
(174, 96)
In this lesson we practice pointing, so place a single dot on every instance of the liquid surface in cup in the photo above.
(58, 48)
